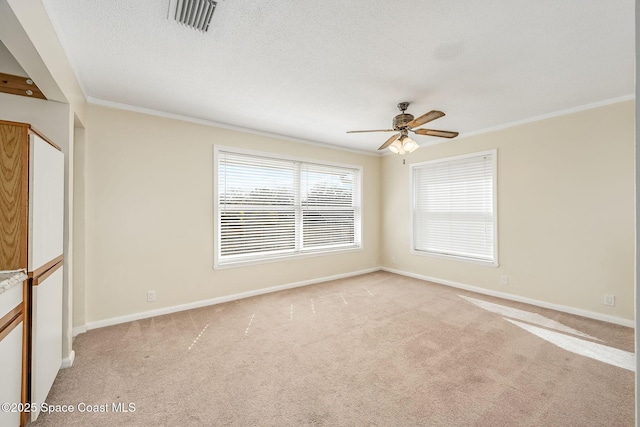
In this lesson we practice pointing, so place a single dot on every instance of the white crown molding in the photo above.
(158, 113)
(116, 105)
(551, 115)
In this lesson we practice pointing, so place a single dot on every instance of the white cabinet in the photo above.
(11, 362)
(46, 202)
(46, 335)
(12, 286)
(46, 211)
(32, 224)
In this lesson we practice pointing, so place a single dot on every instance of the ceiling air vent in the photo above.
(195, 14)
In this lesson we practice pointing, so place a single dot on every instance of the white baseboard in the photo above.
(512, 297)
(67, 362)
(203, 303)
(212, 301)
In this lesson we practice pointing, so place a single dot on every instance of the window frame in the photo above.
(298, 252)
(494, 166)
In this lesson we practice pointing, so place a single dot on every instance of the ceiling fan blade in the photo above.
(434, 132)
(378, 130)
(389, 142)
(425, 118)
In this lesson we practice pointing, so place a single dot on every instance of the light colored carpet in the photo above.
(378, 349)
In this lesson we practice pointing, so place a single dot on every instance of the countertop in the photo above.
(10, 278)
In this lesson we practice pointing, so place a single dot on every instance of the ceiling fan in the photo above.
(404, 123)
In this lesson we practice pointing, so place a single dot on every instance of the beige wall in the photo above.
(565, 197)
(566, 210)
(149, 215)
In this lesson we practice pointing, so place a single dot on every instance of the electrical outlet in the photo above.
(609, 299)
(504, 279)
(151, 296)
(393, 260)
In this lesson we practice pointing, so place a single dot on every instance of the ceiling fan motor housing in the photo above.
(402, 120)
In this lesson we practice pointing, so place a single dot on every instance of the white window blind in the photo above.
(269, 207)
(454, 207)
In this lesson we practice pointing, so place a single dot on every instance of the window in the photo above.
(454, 208)
(269, 207)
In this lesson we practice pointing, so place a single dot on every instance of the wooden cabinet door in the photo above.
(14, 192)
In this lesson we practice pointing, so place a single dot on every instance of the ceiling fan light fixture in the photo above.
(409, 145)
(396, 147)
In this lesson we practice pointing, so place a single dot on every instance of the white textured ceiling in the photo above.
(313, 70)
